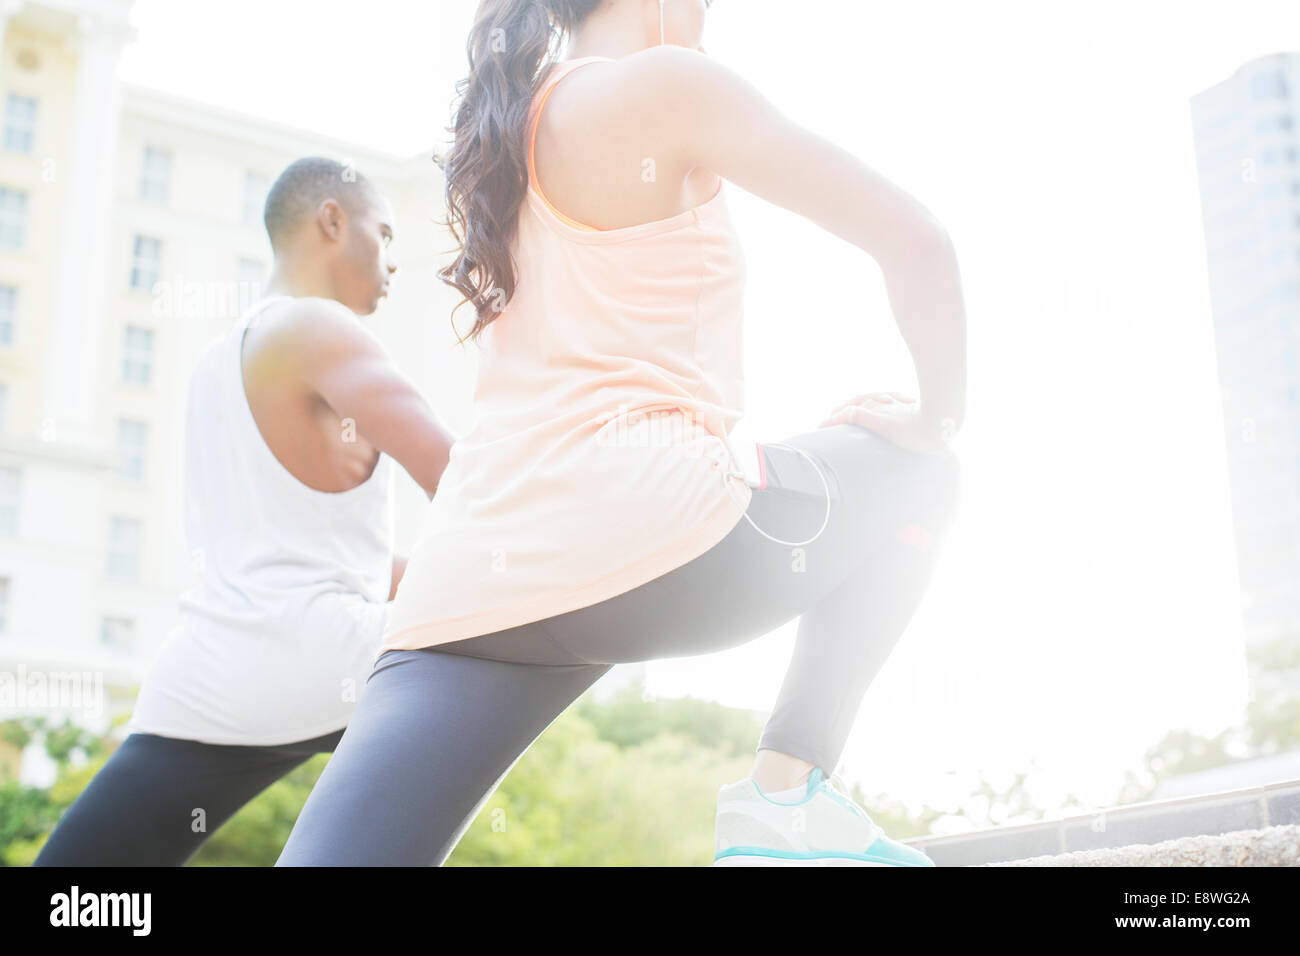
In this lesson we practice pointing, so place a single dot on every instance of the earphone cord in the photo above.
(745, 512)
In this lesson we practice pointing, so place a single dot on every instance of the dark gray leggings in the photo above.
(157, 799)
(437, 729)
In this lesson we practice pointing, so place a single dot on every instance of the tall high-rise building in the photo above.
(1247, 133)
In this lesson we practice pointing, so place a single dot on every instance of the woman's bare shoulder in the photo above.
(651, 92)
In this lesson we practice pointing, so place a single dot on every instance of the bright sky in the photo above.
(1087, 602)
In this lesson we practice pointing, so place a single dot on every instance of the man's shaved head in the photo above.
(330, 229)
(303, 186)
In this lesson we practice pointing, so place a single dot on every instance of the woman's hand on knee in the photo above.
(895, 416)
(867, 398)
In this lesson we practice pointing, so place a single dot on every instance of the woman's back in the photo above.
(607, 386)
(603, 155)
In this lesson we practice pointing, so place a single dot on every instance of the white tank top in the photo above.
(275, 642)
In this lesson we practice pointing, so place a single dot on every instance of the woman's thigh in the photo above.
(748, 584)
(430, 739)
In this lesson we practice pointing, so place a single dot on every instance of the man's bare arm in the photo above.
(344, 363)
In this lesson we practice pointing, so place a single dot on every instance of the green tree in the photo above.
(28, 814)
(629, 718)
(1271, 724)
(1273, 715)
(257, 833)
(896, 818)
(575, 799)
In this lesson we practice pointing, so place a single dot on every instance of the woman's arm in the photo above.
(713, 118)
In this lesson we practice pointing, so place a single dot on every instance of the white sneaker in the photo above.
(825, 828)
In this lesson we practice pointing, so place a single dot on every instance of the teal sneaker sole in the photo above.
(890, 854)
(756, 860)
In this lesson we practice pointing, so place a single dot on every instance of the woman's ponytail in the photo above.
(511, 45)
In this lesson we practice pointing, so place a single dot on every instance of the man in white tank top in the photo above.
(294, 418)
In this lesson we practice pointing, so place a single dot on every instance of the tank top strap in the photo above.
(233, 364)
(558, 72)
(258, 307)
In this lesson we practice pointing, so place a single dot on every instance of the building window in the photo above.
(20, 123)
(10, 481)
(137, 356)
(1266, 124)
(124, 537)
(117, 634)
(155, 175)
(256, 186)
(13, 218)
(132, 444)
(146, 263)
(1271, 85)
(8, 312)
(4, 408)
(4, 605)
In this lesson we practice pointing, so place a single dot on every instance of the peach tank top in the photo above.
(598, 459)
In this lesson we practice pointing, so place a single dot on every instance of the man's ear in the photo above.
(330, 219)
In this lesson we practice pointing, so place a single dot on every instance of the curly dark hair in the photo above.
(511, 47)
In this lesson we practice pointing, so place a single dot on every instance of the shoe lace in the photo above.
(835, 786)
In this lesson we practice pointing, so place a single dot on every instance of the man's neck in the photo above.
(299, 280)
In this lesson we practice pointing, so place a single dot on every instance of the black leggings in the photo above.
(156, 799)
(438, 728)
